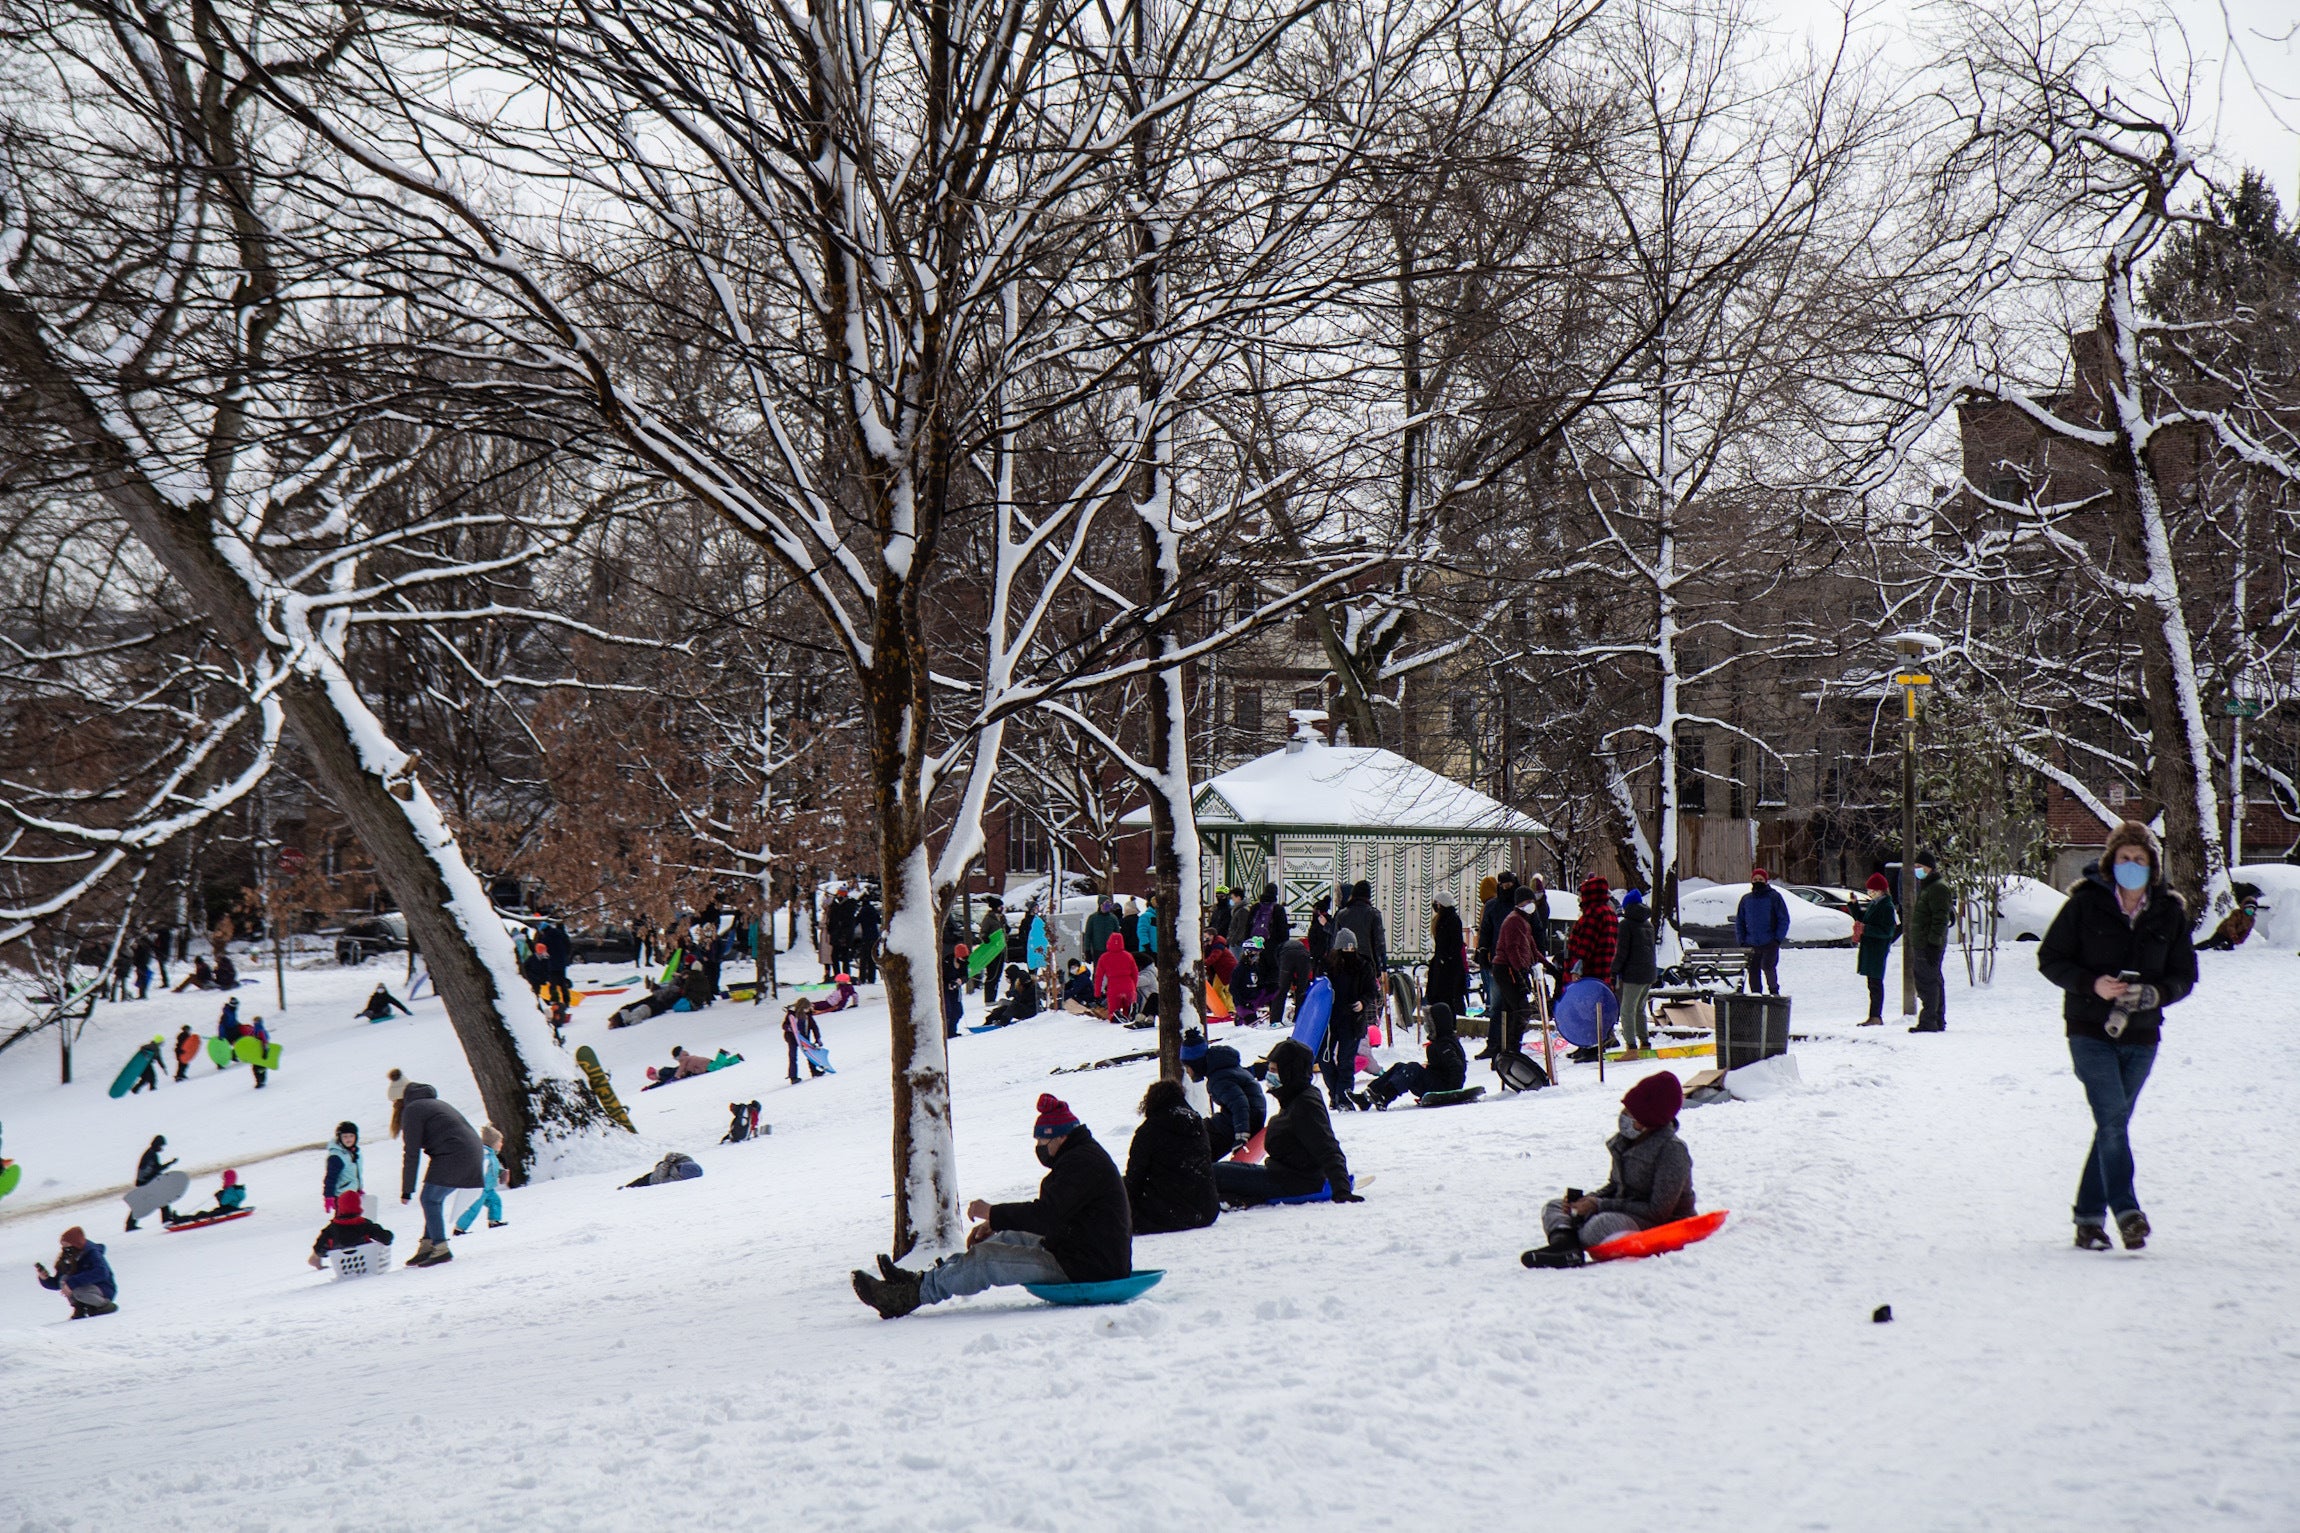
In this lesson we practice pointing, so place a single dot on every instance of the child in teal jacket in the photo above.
(490, 1175)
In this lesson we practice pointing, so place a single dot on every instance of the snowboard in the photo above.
(1251, 1152)
(220, 1052)
(1452, 1098)
(11, 1172)
(201, 1224)
(1659, 1240)
(125, 1081)
(818, 1056)
(985, 954)
(1587, 1011)
(602, 1087)
(251, 1050)
(1317, 1010)
(156, 1194)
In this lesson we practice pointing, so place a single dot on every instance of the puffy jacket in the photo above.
(341, 1173)
(2090, 937)
(1652, 1178)
(1034, 945)
(1146, 930)
(1170, 1174)
(1513, 947)
(1221, 963)
(1929, 912)
(343, 1234)
(82, 1267)
(1357, 997)
(1234, 1091)
(1633, 953)
(1080, 1212)
(1448, 1065)
(1762, 918)
(1363, 921)
(1302, 1151)
(1116, 979)
(1100, 928)
(429, 1126)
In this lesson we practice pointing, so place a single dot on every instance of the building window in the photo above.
(2116, 795)
(1772, 782)
(1737, 793)
(1246, 711)
(1309, 697)
(1025, 843)
(1692, 779)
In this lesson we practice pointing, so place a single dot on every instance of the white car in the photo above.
(1706, 917)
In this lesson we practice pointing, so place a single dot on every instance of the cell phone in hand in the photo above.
(1574, 1194)
(2130, 976)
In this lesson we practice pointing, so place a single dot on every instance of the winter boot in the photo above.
(106, 1308)
(894, 1274)
(892, 1298)
(2091, 1237)
(2132, 1229)
(1871, 1022)
(1563, 1250)
(130, 1225)
(498, 1224)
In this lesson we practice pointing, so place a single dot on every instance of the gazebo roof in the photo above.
(1308, 785)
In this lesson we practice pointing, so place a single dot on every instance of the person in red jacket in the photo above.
(1592, 944)
(1116, 979)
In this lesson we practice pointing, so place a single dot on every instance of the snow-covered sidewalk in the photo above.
(690, 1355)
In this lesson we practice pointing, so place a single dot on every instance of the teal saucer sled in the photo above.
(1116, 1291)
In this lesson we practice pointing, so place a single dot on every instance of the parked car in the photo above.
(1828, 896)
(1706, 918)
(363, 937)
(606, 944)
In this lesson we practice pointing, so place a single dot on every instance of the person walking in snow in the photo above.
(1651, 1180)
(1761, 924)
(82, 1276)
(1303, 1158)
(1490, 915)
(1357, 1006)
(799, 1030)
(2120, 950)
(1634, 967)
(344, 1171)
(865, 967)
(149, 1169)
(1928, 924)
(187, 1049)
(490, 1175)
(426, 1126)
(1079, 1229)
(1880, 922)
(1516, 965)
(1169, 1168)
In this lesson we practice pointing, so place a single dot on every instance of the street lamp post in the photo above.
(1911, 648)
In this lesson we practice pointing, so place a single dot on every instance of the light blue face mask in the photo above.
(2132, 875)
(1922, 873)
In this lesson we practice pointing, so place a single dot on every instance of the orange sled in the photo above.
(1659, 1240)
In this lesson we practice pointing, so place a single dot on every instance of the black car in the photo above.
(362, 938)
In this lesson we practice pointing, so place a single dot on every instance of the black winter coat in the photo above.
(1080, 1212)
(1489, 922)
(1170, 1174)
(429, 1126)
(2090, 937)
(1302, 1151)
(1235, 1092)
(1363, 921)
(1448, 1065)
(151, 1165)
(1449, 971)
(1357, 999)
(1633, 952)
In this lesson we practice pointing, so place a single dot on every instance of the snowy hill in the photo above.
(690, 1355)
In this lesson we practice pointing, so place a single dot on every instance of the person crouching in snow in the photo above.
(81, 1276)
(1116, 979)
(1302, 1159)
(1079, 1229)
(1652, 1180)
(350, 1227)
(343, 1172)
(1078, 989)
(490, 1177)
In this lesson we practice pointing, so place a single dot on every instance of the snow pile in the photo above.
(2279, 903)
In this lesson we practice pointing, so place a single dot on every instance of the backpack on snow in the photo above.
(745, 1124)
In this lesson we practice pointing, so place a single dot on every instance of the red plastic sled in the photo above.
(1250, 1153)
(1659, 1240)
(201, 1224)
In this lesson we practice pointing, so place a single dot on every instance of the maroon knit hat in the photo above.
(1656, 1099)
(347, 1206)
(1055, 1118)
(1879, 884)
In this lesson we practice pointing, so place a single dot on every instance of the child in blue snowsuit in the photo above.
(490, 1175)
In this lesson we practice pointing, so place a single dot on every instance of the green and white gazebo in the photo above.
(1312, 816)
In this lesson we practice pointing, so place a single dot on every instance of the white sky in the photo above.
(2247, 79)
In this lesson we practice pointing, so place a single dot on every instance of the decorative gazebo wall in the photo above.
(1404, 869)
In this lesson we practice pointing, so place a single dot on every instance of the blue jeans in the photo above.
(491, 1200)
(434, 1198)
(1005, 1259)
(2112, 1074)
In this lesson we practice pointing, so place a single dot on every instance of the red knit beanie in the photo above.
(1879, 884)
(1055, 1118)
(1655, 1100)
(347, 1206)
(75, 1236)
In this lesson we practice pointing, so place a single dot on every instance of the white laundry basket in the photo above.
(360, 1260)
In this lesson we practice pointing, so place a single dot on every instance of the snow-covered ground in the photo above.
(690, 1356)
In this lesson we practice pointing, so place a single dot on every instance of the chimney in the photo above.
(1305, 735)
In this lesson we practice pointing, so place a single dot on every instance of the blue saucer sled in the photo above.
(1117, 1291)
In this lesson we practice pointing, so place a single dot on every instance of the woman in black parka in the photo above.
(1169, 1166)
(2121, 919)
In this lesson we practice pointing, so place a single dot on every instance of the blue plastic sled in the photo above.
(818, 1056)
(1324, 1194)
(1316, 1011)
(1586, 1010)
(1117, 1291)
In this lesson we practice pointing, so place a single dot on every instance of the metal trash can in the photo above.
(1750, 1028)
